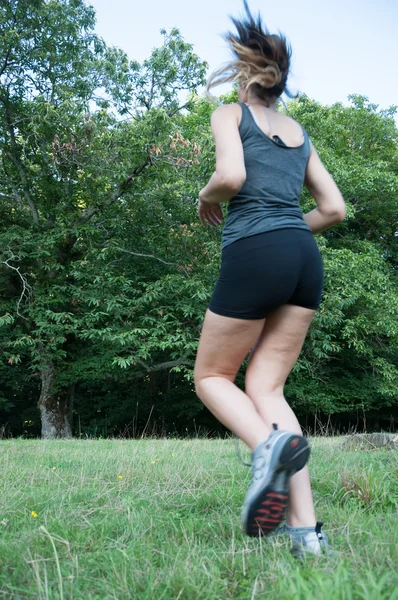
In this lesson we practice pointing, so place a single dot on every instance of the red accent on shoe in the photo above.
(267, 518)
(294, 443)
(270, 513)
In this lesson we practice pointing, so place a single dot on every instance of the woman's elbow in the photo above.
(233, 182)
(341, 211)
(333, 208)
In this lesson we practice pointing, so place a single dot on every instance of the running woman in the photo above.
(270, 281)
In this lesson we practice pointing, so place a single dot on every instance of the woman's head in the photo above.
(262, 60)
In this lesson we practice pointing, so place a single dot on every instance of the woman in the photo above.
(270, 282)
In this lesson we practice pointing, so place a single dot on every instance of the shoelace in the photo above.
(239, 453)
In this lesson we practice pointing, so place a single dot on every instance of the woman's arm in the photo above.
(330, 208)
(230, 173)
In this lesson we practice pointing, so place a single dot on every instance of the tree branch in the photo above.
(14, 157)
(9, 196)
(146, 256)
(3, 68)
(151, 92)
(92, 210)
(25, 186)
(176, 110)
(161, 366)
(26, 288)
(119, 191)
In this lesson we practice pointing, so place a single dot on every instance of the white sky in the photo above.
(340, 47)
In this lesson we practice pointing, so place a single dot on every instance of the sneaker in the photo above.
(273, 463)
(308, 540)
(279, 531)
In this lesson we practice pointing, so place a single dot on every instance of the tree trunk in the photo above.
(56, 406)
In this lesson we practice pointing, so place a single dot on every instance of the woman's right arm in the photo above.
(330, 208)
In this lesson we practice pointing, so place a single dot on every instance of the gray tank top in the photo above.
(269, 198)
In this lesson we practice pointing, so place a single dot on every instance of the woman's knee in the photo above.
(258, 386)
(197, 379)
(201, 380)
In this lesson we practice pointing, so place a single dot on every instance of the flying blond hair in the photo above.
(262, 59)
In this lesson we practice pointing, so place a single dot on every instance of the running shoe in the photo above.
(305, 540)
(309, 541)
(274, 461)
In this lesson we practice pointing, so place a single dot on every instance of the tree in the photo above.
(71, 176)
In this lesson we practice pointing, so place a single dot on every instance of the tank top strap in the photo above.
(249, 120)
(307, 144)
(245, 111)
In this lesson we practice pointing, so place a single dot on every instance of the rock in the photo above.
(371, 441)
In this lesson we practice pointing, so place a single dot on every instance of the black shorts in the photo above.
(264, 271)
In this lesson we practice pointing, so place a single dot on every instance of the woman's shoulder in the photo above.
(227, 113)
(293, 131)
(288, 120)
(292, 122)
(228, 109)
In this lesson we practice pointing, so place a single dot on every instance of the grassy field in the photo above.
(160, 519)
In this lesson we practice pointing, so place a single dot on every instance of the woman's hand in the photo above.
(210, 213)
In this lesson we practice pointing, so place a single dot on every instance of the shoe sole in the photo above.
(267, 510)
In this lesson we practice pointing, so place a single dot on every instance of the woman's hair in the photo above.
(262, 59)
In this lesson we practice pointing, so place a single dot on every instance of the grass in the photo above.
(160, 520)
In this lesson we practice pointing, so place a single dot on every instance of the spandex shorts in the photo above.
(264, 271)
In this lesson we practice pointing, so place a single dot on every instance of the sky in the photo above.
(340, 47)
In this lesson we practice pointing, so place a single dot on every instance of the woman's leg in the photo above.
(224, 344)
(272, 359)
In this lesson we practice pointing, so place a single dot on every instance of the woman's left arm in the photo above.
(230, 173)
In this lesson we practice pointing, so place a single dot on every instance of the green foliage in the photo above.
(352, 349)
(105, 271)
(89, 245)
(359, 145)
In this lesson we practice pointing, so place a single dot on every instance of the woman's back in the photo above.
(276, 152)
(277, 125)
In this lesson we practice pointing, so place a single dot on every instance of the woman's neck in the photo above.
(253, 100)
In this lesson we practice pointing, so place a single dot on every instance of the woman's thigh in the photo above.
(224, 344)
(277, 350)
